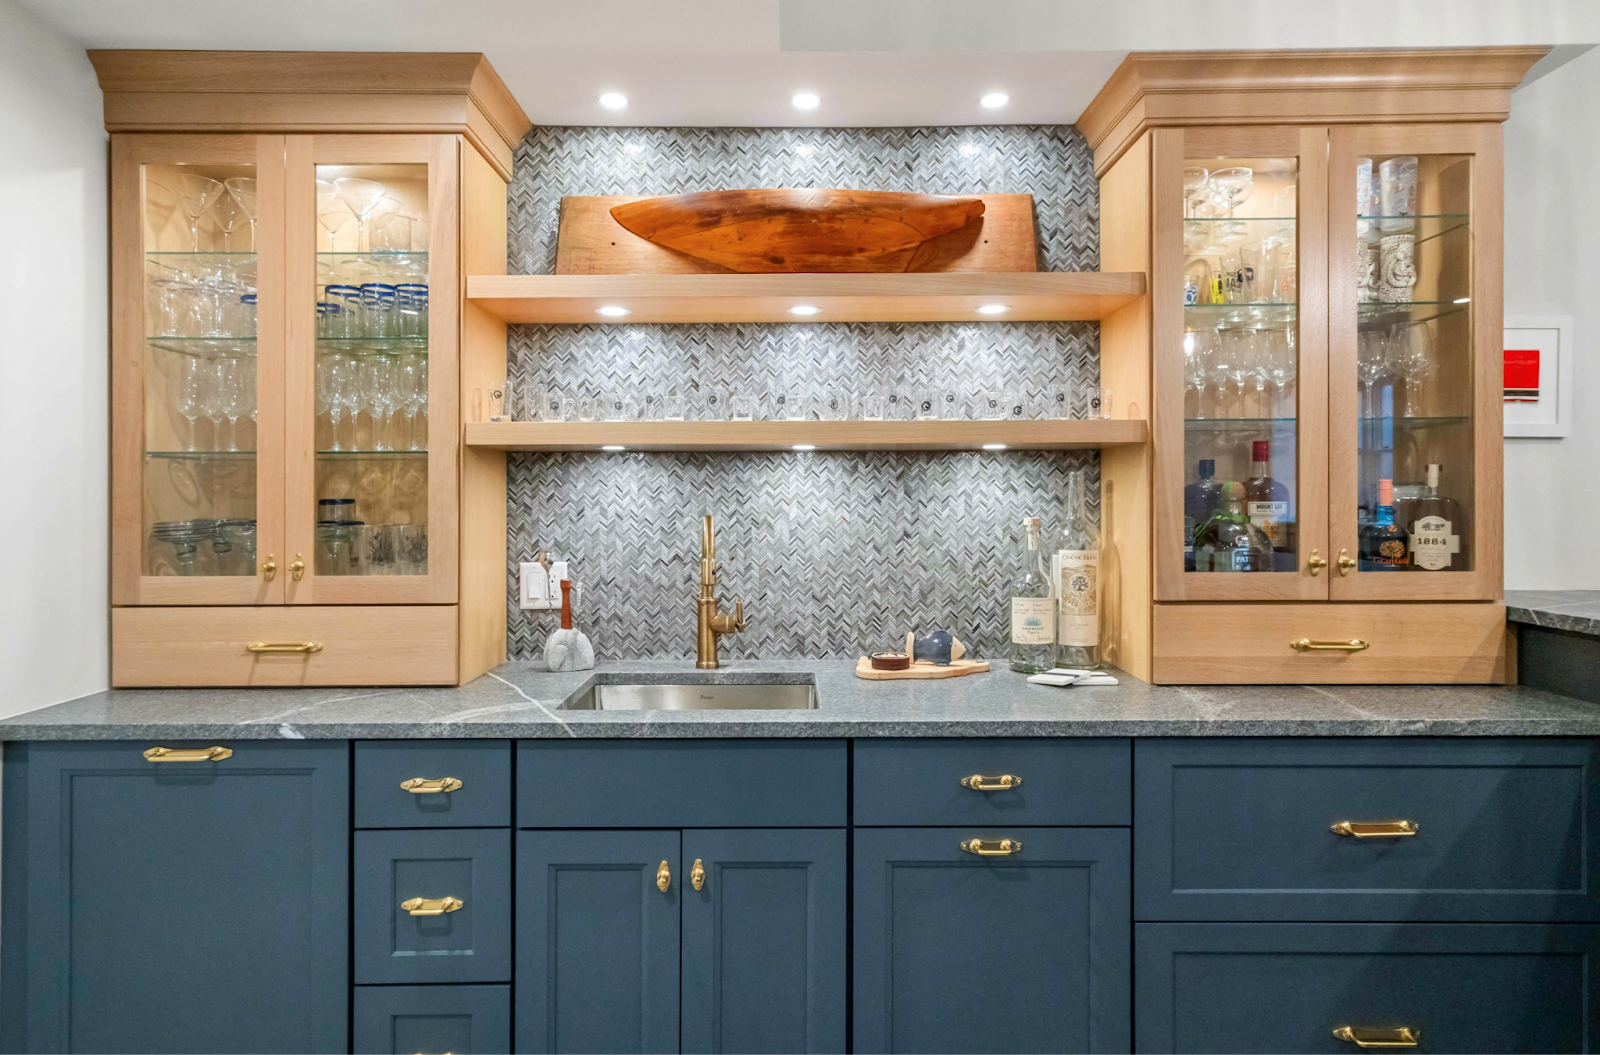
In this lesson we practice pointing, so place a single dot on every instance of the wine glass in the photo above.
(243, 191)
(413, 385)
(195, 194)
(334, 217)
(1194, 368)
(1372, 361)
(214, 405)
(373, 380)
(1411, 349)
(377, 220)
(1195, 183)
(194, 383)
(1281, 367)
(1234, 185)
(230, 396)
(361, 195)
(230, 216)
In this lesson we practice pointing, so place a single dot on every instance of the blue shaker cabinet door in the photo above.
(183, 906)
(1021, 953)
(597, 941)
(432, 1019)
(764, 941)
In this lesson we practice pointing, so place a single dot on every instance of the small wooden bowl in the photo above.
(891, 661)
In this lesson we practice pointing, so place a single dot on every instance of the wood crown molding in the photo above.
(1187, 88)
(312, 91)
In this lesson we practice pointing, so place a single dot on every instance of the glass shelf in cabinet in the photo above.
(1414, 423)
(1266, 313)
(1388, 312)
(1239, 219)
(1427, 226)
(397, 345)
(206, 347)
(373, 454)
(238, 268)
(1236, 424)
(200, 456)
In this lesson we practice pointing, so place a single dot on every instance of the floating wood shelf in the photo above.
(931, 297)
(784, 435)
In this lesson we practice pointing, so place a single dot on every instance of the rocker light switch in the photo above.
(534, 586)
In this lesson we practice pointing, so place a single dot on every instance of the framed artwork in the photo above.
(1538, 376)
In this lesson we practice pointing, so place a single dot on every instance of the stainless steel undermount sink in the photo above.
(708, 697)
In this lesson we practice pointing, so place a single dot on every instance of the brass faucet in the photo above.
(713, 622)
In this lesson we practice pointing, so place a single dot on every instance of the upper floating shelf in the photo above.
(1063, 434)
(923, 297)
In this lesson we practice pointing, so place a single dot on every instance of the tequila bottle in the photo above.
(1075, 575)
(1033, 629)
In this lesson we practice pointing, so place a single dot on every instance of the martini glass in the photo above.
(243, 190)
(230, 216)
(335, 217)
(195, 195)
(362, 195)
(159, 204)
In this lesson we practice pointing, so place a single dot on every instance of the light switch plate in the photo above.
(533, 586)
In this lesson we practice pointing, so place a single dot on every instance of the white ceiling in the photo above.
(874, 62)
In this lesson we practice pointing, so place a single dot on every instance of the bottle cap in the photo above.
(1386, 492)
(1433, 474)
(1208, 467)
(1233, 491)
(1031, 523)
(1259, 451)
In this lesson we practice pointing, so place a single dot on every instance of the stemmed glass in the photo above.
(1372, 360)
(377, 221)
(215, 405)
(376, 391)
(1195, 184)
(230, 215)
(1233, 185)
(230, 396)
(1412, 352)
(337, 390)
(1196, 350)
(362, 195)
(413, 386)
(194, 385)
(195, 194)
(334, 217)
(1281, 369)
(243, 191)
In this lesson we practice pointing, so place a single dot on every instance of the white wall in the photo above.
(1552, 267)
(53, 369)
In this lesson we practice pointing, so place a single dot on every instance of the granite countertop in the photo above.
(522, 700)
(1574, 610)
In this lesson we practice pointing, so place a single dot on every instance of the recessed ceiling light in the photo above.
(613, 100)
(805, 446)
(994, 100)
(804, 309)
(613, 447)
(993, 309)
(805, 100)
(994, 446)
(613, 311)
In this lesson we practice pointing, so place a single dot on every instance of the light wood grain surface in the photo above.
(783, 435)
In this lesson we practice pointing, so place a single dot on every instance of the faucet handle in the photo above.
(738, 615)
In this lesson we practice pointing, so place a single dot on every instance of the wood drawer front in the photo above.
(185, 647)
(682, 783)
(402, 1019)
(471, 944)
(1285, 987)
(1242, 829)
(481, 767)
(1212, 644)
(903, 783)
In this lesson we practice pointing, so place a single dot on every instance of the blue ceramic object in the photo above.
(934, 645)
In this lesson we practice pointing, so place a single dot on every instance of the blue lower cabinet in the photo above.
(764, 941)
(432, 1020)
(598, 941)
(433, 905)
(1027, 952)
(192, 905)
(1338, 987)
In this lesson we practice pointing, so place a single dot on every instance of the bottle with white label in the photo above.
(1270, 506)
(1435, 543)
(1033, 608)
(1075, 576)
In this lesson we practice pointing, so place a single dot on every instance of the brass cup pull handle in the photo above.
(188, 754)
(992, 847)
(979, 782)
(663, 877)
(1305, 644)
(697, 875)
(1376, 830)
(284, 647)
(1346, 562)
(298, 568)
(1315, 563)
(269, 568)
(432, 906)
(424, 786)
(1363, 1037)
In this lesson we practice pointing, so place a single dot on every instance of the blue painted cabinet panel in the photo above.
(1285, 987)
(470, 944)
(764, 941)
(1241, 829)
(957, 953)
(483, 768)
(597, 941)
(179, 906)
(432, 1019)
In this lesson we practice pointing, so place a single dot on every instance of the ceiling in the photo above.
(873, 62)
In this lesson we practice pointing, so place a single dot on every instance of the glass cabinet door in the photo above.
(372, 421)
(1414, 398)
(1240, 364)
(197, 369)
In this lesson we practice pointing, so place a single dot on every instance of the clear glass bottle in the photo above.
(1270, 506)
(1434, 523)
(1229, 541)
(1075, 577)
(1383, 543)
(1033, 630)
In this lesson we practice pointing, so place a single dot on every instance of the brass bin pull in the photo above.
(993, 847)
(1363, 1037)
(424, 786)
(1305, 644)
(697, 875)
(284, 647)
(432, 906)
(188, 754)
(663, 877)
(1376, 830)
(978, 782)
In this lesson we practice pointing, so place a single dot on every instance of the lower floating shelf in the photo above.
(786, 435)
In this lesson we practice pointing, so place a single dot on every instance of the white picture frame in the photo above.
(1550, 415)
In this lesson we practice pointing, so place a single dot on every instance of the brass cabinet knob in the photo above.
(188, 754)
(663, 877)
(1376, 829)
(1315, 563)
(697, 875)
(992, 848)
(432, 906)
(298, 568)
(424, 786)
(269, 568)
(979, 782)
(1363, 1037)
(1346, 562)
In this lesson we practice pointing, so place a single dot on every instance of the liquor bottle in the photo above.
(1383, 542)
(1201, 498)
(1433, 520)
(1075, 577)
(1270, 506)
(1228, 541)
(1033, 608)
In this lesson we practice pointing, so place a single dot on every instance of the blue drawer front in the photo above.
(957, 953)
(482, 766)
(1285, 987)
(901, 783)
(682, 784)
(471, 944)
(1241, 830)
(432, 1019)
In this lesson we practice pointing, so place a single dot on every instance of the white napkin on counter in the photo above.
(1064, 676)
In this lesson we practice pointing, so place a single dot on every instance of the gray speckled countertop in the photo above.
(1574, 610)
(523, 700)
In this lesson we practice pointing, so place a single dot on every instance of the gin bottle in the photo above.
(1229, 541)
(1033, 630)
(1075, 575)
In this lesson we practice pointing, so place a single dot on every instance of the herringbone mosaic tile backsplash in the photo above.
(834, 553)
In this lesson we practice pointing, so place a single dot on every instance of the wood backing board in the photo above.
(922, 669)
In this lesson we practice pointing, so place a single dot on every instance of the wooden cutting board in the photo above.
(923, 669)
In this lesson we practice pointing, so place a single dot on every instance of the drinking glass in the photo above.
(195, 195)
(411, 309)
(378, 218)
(413, 386)
(214, 405)
(338, 381)
(334, 217)
(712, 405)
(243, 190)
(1281, 370)
(949, 404)
(789, 404)
(1257, 261)
(345, 321)
(1411, 350)
(1234, 184)
(672, 408)
(361, 195)
(1196, 350)
(411, 549)
(1196, 181)
(833, 406)
(870, 405)
(194, 383)
(927, 404)
(1372, 362)
(588, 407)
(229, 216)
(740, 407)
(992, 405)
(377, 309)
(1016, 404)
(230, 396)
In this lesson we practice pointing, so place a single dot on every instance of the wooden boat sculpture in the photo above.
(789, 231)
